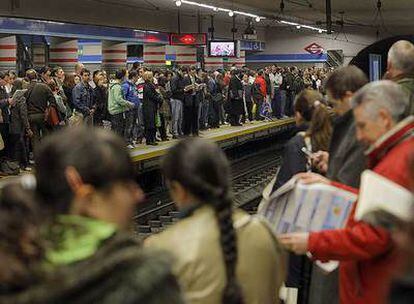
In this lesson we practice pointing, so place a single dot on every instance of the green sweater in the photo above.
(116, 102)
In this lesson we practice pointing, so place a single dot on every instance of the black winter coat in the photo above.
(19, 122)
(152, 101)
(101, 103)
(177, 85)
(236, 106)
(4, 105)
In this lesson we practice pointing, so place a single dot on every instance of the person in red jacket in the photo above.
(367, 254)
(259, 93)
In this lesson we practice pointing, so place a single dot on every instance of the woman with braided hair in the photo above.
(221, 255)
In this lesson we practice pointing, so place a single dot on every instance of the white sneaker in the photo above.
(130, 146)
(28, 169)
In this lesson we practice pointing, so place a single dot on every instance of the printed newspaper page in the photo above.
(296, 207)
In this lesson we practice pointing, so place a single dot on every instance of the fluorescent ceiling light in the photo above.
(298, 26)
(220, 9)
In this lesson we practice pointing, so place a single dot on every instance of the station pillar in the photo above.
(114, 56)
(212, 63)
(8, 53)
(64, 53)
(39, 54)
(154, 56)
(185, 55)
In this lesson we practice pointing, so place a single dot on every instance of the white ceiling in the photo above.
(395, 13)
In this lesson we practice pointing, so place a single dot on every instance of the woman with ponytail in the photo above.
(314, 119)
(314, 122)
(221, 255)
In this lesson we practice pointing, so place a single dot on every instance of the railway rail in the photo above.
(251, 173)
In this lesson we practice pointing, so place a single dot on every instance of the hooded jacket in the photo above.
(110, 267)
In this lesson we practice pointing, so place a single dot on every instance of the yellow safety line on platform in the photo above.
(161, 150)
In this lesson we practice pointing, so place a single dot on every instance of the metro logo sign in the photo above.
(314, 48)
(188, 39)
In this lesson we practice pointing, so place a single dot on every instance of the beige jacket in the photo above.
(195, 244)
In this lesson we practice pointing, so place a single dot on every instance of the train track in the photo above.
(251, 174)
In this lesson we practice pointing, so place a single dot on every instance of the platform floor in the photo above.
(226, 132)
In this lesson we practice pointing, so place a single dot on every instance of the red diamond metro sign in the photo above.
(314, 48)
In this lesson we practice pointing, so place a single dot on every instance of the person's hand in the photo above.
(30, 133)
(312, 178)
(320, 161)
(295, 242)
(92, 111)
(11, 102)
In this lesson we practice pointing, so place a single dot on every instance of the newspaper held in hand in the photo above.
(383, 202)
(18, 94)
(296, 207)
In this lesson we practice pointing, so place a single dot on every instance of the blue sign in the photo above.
(247, 45)
(80, 31)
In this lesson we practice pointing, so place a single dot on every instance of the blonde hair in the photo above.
(148, 76)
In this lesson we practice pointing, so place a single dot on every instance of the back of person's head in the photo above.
(45, 69)
(382, 95)
(69, 81)
(120, 74)
(148, 76)
(309, 104)
(78, 67)
(99, 157)
(162, 81)
(202, 168)
(132, 74)
(401, 57)
(31, 74)
(345, 79)
(135, 65)
(21, 247)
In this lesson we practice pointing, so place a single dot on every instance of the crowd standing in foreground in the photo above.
(65, 234)
(140, 105)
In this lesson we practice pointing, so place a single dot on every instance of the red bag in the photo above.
(51, 116)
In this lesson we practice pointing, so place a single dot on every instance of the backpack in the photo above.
(8, 167)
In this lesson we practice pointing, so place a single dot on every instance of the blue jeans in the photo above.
(282, 102)
(138, 123)
(277, 103)
(177, 117)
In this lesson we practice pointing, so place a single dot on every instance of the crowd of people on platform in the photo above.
(142, 105)
(66, 229)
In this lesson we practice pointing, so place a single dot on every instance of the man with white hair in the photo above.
(366, 253)
(400, 69)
